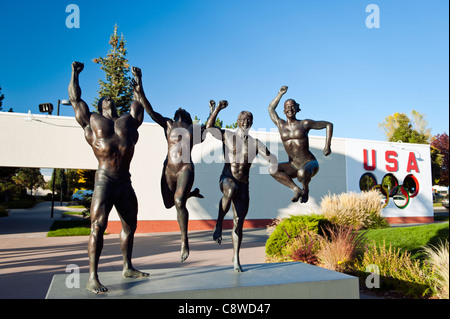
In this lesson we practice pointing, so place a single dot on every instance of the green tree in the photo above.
(61, 182)
(440, 148)
(2, 96)
(399, 127)
(7, 185)
(29, 178)
(219, 123)
(85, 179)
(116, 67)
(437, 160)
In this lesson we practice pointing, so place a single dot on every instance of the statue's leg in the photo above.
(284, 176)
(127, 208)
(304, 175)
(240, 205)
(100, 207)
(168, 187)
(228, 188)
(185, 181)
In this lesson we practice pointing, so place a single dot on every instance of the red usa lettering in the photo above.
(392, 164)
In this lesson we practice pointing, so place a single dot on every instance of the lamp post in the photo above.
(48, 108)
(63, 102)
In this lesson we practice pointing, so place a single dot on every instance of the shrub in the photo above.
(397, 270)
(27, 202)
(438, 258)
(287, 230)
(339, 251)
(304, 247)
(358, 210)
(273, 225)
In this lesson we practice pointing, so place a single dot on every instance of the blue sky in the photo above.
(242, 51)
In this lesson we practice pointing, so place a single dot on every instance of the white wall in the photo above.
(58, 142)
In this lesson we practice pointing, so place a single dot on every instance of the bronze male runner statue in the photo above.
(112, 139)
(239, 149)
(294, 135)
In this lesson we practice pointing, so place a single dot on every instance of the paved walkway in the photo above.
(29, 259)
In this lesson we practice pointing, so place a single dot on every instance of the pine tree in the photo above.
(2, 96)
(116, 67)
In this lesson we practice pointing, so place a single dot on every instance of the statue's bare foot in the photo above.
(96, 287)
(196, 193)
(184, 252)
(305, 197)
(134, 273)
(237, 266)
(298, 193)
(217, 235)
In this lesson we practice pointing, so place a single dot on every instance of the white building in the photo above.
(58, 142)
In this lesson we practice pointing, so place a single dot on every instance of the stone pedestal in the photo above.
(258, 281)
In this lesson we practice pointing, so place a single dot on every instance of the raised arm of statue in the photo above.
(272, 106)
(139, 95)
(82, 113)
(213, 116)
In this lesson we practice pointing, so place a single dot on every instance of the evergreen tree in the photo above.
(219, 123)
(2, 96)
(116, 67)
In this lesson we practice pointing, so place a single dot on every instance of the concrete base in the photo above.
(258, 281)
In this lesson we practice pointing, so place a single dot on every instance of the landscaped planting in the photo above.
(412, 261)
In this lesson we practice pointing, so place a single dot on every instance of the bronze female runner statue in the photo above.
(294, 135)
(178, 169)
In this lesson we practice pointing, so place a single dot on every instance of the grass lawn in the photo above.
(78, 227)
(411, 238)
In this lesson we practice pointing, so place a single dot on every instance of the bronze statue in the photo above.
(178, 169)
(112, 139)
(240, 149)
(294, 135)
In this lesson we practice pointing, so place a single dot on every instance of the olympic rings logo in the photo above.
(390, 188)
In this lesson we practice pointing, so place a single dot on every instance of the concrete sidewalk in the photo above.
(29, 259)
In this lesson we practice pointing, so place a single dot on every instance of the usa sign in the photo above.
(400, 171)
